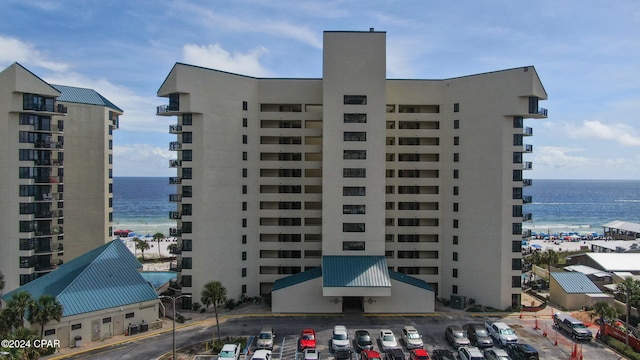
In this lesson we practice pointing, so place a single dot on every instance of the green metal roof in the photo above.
(575, 283)
(355, 271)
(83, 96)
(394, 275)
(297, 278)
(103, 278)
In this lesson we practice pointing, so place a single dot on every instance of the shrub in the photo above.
(230, 304)
(621, 347)
(196, 306)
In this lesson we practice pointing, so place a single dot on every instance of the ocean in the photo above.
(142, 204)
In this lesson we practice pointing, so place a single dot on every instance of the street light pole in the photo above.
(173, 299)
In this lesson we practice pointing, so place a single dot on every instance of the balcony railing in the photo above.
(175, 129)
(528, 148)
(48, 162)
(175, 197)
(527, 199)
(163, 109)
(175, 267)
(175, 145)
(527, 217)
(527, 182)
(175, 163)
(49, 214)
(542, 112)
(526, 233)
(175, 180)
(48, 179)
(175, 215)
(175, 232)
(527, 165)
(55, 230)
(48, 144)
(527, 131)
(49, 197)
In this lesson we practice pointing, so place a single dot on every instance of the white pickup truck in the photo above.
(230, 352)
(501, 333)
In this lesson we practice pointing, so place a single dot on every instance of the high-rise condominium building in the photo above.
(352, 190)
(56, 155)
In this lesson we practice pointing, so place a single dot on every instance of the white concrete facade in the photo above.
(275, 173)
(55, 202)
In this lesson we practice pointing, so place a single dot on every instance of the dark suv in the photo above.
(522, 352)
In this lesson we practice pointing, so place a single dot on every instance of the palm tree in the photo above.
(631, 290)
(45, 309)
(550, 257)
(172, 248)
(1, 283)
(19, 303)
(605, 312)
(158, 237)
(213, 293)
(141, 245)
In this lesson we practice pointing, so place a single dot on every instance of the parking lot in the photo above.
(529, 329)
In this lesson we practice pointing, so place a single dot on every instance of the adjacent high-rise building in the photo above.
(56, 155)
(351, 190)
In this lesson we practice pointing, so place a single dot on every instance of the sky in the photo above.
(586, 52)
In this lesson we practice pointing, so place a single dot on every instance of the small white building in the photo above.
(102, 295)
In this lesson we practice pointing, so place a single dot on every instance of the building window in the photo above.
(516, 228)
(129, 315)
(456, 107)
(355, 99)
(516, 246)
(517, 192)
(454, 273)
(245, 139)
(244, 256)
(244, 239)
(455, 207)
(244, 172)
(106, 320)
(456, 173)
(517, 175)
(455, 223)
(518, 122)
(517, 139)
(455, 256)
(454, 289)
(516, 264)
(456, 157)
(353, 246)
(187, 137)
(187, 173)
(244, 122)
(456, 124)
(354, 154)
(77, 326)
(354, 172)
(355, 136)
(244, 223)
(244, 155)
(516, 281)
(244, 189)
(353, 209)
(456, 140)
(353, 227)
(456, 190)
(53, 331)
(455, 239)
(355, 118)
(354, 191)
(244, 206)
(187, 119)
(244, 272)
(245, 105)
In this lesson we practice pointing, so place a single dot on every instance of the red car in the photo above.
(307, 340)
(419, 354)
(370, 355)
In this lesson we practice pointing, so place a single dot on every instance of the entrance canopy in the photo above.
(355, 276)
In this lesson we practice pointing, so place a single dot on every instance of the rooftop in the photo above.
(575, 283)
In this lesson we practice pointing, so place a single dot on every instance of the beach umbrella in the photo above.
(536, 246)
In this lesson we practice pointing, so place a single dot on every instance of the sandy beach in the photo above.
(152, 253)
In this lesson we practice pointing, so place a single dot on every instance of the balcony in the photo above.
(527, 199)
(175, 232)
(177, 267)
(49, 214)
(175, 197)
(48, 162)
(48, 179)
(527, 165)
(175, 215)
(527, 131)
(527, 182)
(540, 112)
(166, 110)
(526, 233)
(174, 163)
(175, 129)
(49, 197)
(528, 148)
(527, 217)
(45, 267)
(55, 230)
(175, 145)
(175, 180)
(48, 144)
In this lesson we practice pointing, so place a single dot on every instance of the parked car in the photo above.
(456, 336)
(478, 335)
(266, 338)
(419, 354)
(387, 340)
(443, 354)
(496, 354)
(522, 352)
(395, 354)
(261, 355)
(343, 355)
(363, 341)
(307, 339)
(470, 353)
(340, 338)
(370, 355)
(574, 327)
(229, 352)
(310, 354)
(411, 338)
(502, 333)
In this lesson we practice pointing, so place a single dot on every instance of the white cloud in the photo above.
(214, 56)
(15, 50)
(142, 160)
(559, 158)
(620, 133)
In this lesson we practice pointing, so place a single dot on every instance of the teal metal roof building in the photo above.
(106, 277)
(83, 96)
